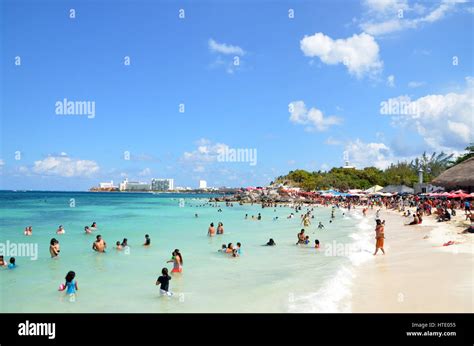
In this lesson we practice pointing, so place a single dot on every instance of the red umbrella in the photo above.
(462, 195)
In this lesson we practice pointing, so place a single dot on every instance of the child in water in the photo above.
(71, 284)
(316, 244)
(306, 240)
(12, 264)
(2, 262)
(164, 281)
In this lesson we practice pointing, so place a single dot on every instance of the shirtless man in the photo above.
(211, 230)
(300, 237)
(54, 248)
(99, 245)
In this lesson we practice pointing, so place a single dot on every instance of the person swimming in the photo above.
(2, 261)
(147, 240)
(12, 264)
(270, 242)
(177, 260)
(164, 282)
(94, 225)
(54, 248)
(60, 230)
(87, 230)
(230, 248)
(118, 246)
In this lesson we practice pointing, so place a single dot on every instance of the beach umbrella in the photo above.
(461, 195)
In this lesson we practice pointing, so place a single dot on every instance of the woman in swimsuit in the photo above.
(177, 260)
(220, 228)
(379, 236)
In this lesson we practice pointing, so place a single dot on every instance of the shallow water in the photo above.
(283, 278)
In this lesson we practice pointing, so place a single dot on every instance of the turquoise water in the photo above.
(282, 278)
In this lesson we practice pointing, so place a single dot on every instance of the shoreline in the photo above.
(417, 274)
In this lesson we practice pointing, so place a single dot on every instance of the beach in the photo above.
(418, 274)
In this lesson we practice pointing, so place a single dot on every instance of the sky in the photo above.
(93, 91)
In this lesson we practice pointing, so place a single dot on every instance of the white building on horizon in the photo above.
(202, 184)
(107, 185)
(126, 185)
(162, 184)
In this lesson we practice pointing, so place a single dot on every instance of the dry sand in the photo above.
(418, 274)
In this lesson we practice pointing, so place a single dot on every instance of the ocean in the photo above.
(281, 278)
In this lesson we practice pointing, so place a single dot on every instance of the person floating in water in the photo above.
(164, 282)
(211, 231)
(28, 231)
(177, 260)
(2, 261)
(379, 236)
(12, 264)
(99, 245)
(54, 248)
(147, 240)
(270, 242)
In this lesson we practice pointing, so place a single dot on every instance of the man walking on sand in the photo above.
(379, 236)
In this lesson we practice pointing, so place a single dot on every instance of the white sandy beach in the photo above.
(418, 274)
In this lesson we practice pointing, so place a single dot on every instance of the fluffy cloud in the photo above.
(391, 81)
(206, 151)
(446, 121)
(415, 84)
(224, 48)
(313, 118)
(145, 172)
(387, 16)
(363, 154)
(65, 166)
(359, 53)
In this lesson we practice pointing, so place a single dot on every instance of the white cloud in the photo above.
(391, 81)
(444, 121)
(333, 141)
(65, 166)
(359, 53)
(224, 48)
(387, 16)
(2, 163)
(313, 118)
(363, 154)
(145, 172)
(206, 151)
(415, 84)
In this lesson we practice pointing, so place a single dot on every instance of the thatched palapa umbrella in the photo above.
(460, 176)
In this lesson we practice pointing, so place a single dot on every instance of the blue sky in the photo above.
(306, 89)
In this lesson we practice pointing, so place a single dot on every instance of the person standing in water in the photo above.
(71, 284)
(177, 260)
(54, 248)
(211, 231)
(99, 245)
(379, 236)
(147, 240)
(301, 237)
(164, 281)
(220, 228)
